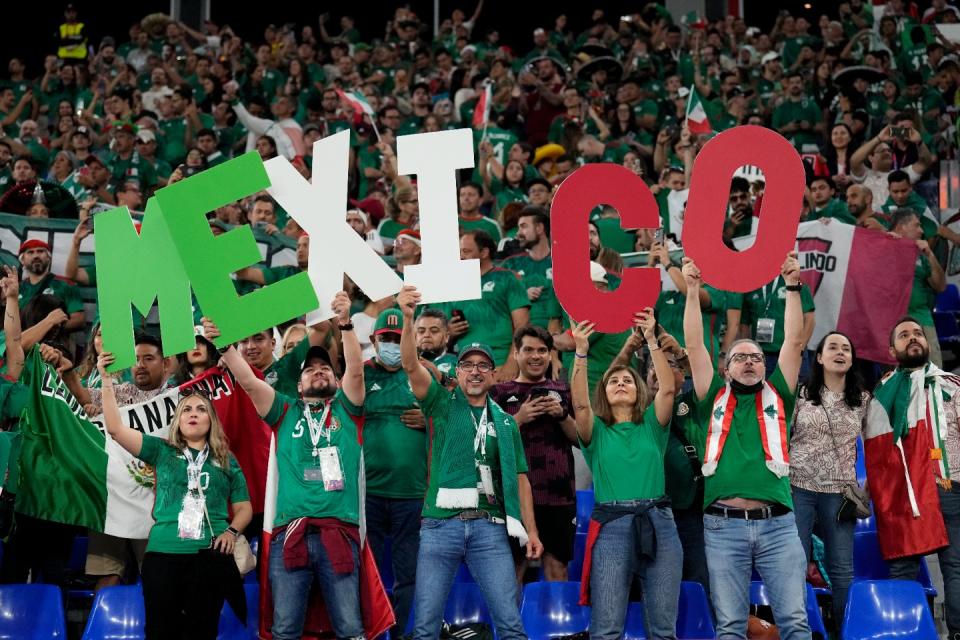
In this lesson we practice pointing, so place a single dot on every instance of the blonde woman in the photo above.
(196, 479)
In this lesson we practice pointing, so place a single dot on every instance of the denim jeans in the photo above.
(399, 519)
(814, 506)
(484, 546)
(690, 529)
(907, 568)
(613, 566)
(773, 546)
(291, 590)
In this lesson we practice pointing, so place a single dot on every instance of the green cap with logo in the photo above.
(389, 321)
(476, 347)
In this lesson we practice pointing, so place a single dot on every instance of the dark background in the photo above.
(29, 26)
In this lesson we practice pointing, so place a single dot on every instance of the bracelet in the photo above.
(794, 287)
(236, 534)
(345, 327)
(584, 356)
(223, 350)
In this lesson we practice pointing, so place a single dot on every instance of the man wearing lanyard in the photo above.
(763, 311)
(318, 512)
(478, 490)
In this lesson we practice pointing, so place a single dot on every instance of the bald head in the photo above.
(859, 200)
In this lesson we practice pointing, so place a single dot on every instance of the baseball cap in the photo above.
(316, 353)
(33, 243)
(597, 272)
(476, 347)
(389, 321)
(93, 159)
(769, 56)
(311, 127)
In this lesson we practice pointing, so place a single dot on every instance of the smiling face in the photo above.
(475, 375)
(533, 358)
(257, 350)
(317, 380)
(836, 354)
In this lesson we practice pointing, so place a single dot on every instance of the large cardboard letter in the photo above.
(210, 260)
(707, 207)
(583, 190)
(320, 208)
(435, 157)
(136, 269)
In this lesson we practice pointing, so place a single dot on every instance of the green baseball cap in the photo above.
(389, 321)
(476, 347)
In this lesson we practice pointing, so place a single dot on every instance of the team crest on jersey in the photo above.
(271, 378)
(549, 273)
(683, 409)
(488, 287)
(49, 292)
(334, 423)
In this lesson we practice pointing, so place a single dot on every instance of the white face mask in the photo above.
(389, 353)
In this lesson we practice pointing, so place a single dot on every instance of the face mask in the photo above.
(389, 353)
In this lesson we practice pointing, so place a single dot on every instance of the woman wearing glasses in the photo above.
(632, 530)
(830, 413)
(188, 568)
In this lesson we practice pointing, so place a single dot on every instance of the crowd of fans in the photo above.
(866, 94)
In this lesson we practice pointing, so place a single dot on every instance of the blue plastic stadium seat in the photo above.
(758, 595)
(466, 605)
(949, 299)
(117, 614)
(861, 465)
(887, 609)
(31, 612)
(463, 574)
(694, 621)
(868, 564)
(575, 566)
(78, 554)
(230, 627)
(948, 330)
(584, 509)
(550, 609)
(634, 628)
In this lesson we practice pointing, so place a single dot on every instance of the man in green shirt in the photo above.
(798, 117)
(763, 309)
(502, 309)
(395, 460)
(535, 268)
(470, 217)
(929, 278)
(477, 485)
(281, 374)
(432, 338)
(742, 432)
(125, 162)
(35, 258)
(823, 204)
(319, 466)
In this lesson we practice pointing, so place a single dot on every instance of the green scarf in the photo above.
(457, 463)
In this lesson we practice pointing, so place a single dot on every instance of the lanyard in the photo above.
(768, 293)
(480, 439)
(317, 428)
(194, 465)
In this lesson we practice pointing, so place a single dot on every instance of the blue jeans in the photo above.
(399, 519)
(291, 590)
(814, 506)
(773, 546)
(614, 563)
(483, 545)
(907, 568)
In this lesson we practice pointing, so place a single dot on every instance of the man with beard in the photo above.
(319, 464)
(741, 434)
(912, 452)
(359, 221)
(595, 245)
(860, 205)
(478, 491)
(739, 221)
(543, 411)
(535, 268)
(432, 337)
(798, 117)
(35, 258)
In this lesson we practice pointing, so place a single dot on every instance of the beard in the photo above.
(907, 360)
(526, 243)
(594, 251)
(431, 354)
(38, 267)
(322, 391)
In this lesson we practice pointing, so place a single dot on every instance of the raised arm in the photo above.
(791, 353)
(419, 376)
(667, 385)
(701, 366)
(129, 439)
(261, 393)
(863, 152)
(72, 270)
(579, 387)
(11, 322)
(352, 381)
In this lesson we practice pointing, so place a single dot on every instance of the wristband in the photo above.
(794, 287)
(231, 530)
(345, 327)
(223, 350)
(580, 356)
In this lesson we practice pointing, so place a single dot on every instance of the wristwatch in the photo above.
(794, 287)
(231, 530)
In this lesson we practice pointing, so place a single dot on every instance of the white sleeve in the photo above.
(912, 173)
(255, 125)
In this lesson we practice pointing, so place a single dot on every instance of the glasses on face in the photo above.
(740, 358)
(482, 367)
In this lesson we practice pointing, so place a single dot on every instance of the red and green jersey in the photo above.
(537, 273)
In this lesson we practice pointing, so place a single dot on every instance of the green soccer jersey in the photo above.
(680, 471)
(626, 459)
(833, 209)
(481, 224)
(301, 491)
(442, 406)
(175, 131)
(537, 273)
(490, 317)
(922, 295)
(446, 364)
(770, 303)
(670, 306)
(220, 487)
(275, 274)
(132, 168)
(604, 347)
(284, 374)
(741, 471)
(395, 455)
(54, 286)
(614, 237)
(389, 228)
(803, 110)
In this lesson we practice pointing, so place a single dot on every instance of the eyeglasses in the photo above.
(195, 390)
(482, 367)
(740, 358)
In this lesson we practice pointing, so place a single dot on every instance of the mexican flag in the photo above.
(72, 472)
(359, 104)
(697, 120)
(692, 20)
(481, 111)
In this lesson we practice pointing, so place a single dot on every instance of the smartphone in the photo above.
(899, 132)
(539, 392)
(658, 236)
(457, 314)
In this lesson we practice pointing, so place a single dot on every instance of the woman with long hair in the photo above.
(624, 444)
(830, 412)
(837, 154)
(188, 568)
(191, 364)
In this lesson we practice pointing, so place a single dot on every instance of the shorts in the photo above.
(557, 527)
(107, 555)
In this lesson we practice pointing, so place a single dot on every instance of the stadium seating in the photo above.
(758, 595)
(949, 300)
(31, 612)
(117, 614)
(868, 564)
(584, 509)
(575, 566)
(466, 605)
(694, 620)
(887, 609)
(550, 609)
(230, 626)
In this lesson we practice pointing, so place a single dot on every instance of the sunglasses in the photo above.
(195, 390)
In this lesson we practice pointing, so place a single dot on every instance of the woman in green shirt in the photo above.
(188, 568)
(632, 530)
